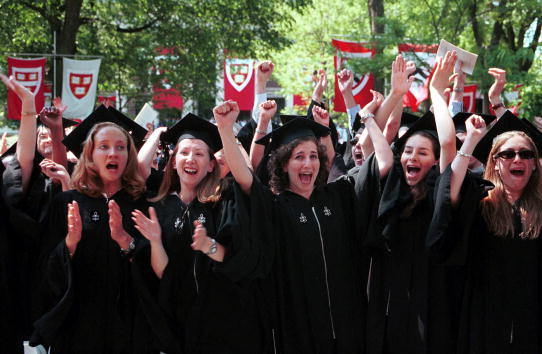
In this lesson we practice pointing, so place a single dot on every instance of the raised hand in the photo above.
(476, 127)
(400, 80)
(320, 115)
(410, 67)
(377, 100)
(55, 171)
(51, 117)
(21, 91)
(443, 72)
(57, 102)
(75, 227)
(497, 88)
(267, 110)
(320, 87)
(264, 70)
(345, 80)
(226, 114)
(118, 234)
(148, 227)
(200, 240)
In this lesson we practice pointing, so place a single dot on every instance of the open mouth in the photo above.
(305, 177)
(413, 171)
(112, 166)
(517, 172)
(190, 171)
(358, 156)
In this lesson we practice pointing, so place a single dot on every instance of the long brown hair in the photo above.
(85, 178)
(496, 208)
(208, 190)
(279, 180)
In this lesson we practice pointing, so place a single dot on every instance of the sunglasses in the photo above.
(510, 154)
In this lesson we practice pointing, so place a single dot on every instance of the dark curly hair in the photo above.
(279, 180)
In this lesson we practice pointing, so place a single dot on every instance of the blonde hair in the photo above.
(497, 210)
(208, 190)
(85, 178)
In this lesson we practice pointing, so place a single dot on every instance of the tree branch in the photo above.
(137, 29)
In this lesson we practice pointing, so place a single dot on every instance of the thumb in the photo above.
(152, 214)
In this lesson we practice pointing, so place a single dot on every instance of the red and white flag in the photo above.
(31, 74)
(239, 80)
(469, 98)
(424, 56)
(79, 82)
(363, 83)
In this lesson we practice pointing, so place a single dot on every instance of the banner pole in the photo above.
(54, 65)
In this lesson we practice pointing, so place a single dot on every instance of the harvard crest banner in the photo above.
(239, 79)
(79, 82)
(31, 74)
(363, 82)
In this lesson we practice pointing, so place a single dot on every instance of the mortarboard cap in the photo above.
(285, 118)
(74, 141)
(461, 117)
(508, 122)
(294, 129)
(194, 127)
(407, 119)
(424, 123)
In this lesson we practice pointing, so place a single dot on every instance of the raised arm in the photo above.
(456, 96)
(26, 145)
(322, 116)
(443, 121)
(225, 115)
(394, 123)
(263, 72)
(370, 109)
(476, 128)
(400, 84)
(51, 117)
(151, 230)
(345, 81)
(496, 90)
(267, 111)
(147, 152)
(320, 86)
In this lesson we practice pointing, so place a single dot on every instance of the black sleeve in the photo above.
(447, 238)
(249, 222)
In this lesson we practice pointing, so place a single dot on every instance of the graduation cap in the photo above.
(407, 119)
(74, 141)
(66, 123)
(193, 127)
(461, 117)
(508, 122)
(294, 129)
(285, 118)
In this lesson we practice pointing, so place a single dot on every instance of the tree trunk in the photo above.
(376, 14)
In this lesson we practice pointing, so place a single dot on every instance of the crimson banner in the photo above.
(363, 83)
(239, 79)
(469, 98)
(424, 56)
(31, 74)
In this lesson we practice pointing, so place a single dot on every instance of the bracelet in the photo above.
(130, 248)
(212, 248)
(497, 106)
(462, 154)
(364, 116)
(259, 131)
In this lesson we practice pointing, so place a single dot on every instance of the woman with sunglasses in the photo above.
(496, 234)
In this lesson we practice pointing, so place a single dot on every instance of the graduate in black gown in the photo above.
(205, 311)
(92, 307)
(493, 227)
(302, 243)
(412, 302)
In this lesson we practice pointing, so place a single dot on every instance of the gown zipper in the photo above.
(325, 272)
(195, 259)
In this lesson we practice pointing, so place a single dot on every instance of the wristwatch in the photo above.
(497, 106)
(130, 248)
(212, 248)
(365, 115)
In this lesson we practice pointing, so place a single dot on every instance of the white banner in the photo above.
(79, 82)
(147, 117)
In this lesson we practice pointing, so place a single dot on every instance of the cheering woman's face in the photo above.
(515, 163)
(193, 162)
(302, 168)
(417, 159)
(110, 154)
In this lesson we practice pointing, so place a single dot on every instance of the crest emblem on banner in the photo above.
(29, 77)
(360, 81)
(80, 84)
(239, 73)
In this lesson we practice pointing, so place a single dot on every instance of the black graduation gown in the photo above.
(501, 310)
(27, 216)
(413, 302)
(92, 304)
(207, 312)
(306, 252)
(10, 328)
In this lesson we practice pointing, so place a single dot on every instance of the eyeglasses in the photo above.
(353, 141)
(510, 154)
